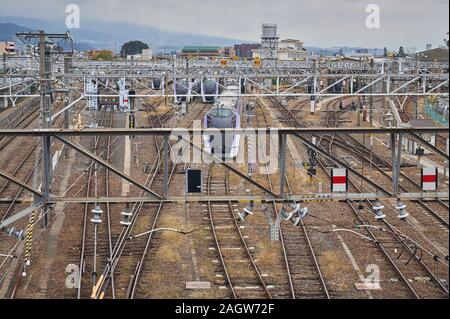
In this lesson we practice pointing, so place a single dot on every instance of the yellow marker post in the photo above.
(97, 287)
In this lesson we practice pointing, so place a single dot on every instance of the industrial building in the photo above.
(8, 48)
(284, 50)
(245, 50)
(229, 52)
(202, 51)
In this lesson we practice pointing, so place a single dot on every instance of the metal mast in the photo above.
(45, 70)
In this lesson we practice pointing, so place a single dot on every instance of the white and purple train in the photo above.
(225, 114)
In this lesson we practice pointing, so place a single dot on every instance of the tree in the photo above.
(385, 53)
(401, 52)
(133, 48)
(104, 55)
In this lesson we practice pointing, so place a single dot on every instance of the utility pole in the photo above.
(372, 63)
(45, 70)
(68, 99)
(45, 117)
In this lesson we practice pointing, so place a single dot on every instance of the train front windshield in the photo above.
(221, 118)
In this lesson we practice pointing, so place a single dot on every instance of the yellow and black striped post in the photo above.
(29, 238)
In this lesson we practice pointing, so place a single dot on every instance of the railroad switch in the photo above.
(403, 214)
(378, 208)
(97, 211)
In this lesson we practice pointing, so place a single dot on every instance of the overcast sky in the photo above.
(411, 23)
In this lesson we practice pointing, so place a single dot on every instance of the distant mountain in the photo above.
(8, 31)
(112, 35)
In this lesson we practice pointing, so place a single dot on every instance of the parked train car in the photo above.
(337, 88)
(181, 90)
(209, 90)
(157, 84)
(184, 90)
(224, 115)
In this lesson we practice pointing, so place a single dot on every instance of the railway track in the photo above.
(25, 170)
(392, 237)
(304, 274)
(242, 274)
(128, 282)
(354, 146)
(96, 242)
(26, 165)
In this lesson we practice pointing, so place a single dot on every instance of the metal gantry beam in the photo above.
(20, 183)
(394, 85)
(241, 131)
(322, 197)
(297, 198)
(429, 146)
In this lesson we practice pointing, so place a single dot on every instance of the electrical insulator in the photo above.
(12, 232)
(403, 214)
(296, 215)
(97, 211)
(378, 208)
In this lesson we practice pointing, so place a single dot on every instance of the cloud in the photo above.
(317, 22)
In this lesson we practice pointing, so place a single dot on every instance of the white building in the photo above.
(291, 50)
(288, 50)
(146, 55)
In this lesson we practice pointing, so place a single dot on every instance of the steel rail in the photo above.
(124, 235)
(429, 272)
(383, 250)
(310, 248)
(85, 219)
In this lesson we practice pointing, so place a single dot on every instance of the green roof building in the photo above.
(201, 51)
